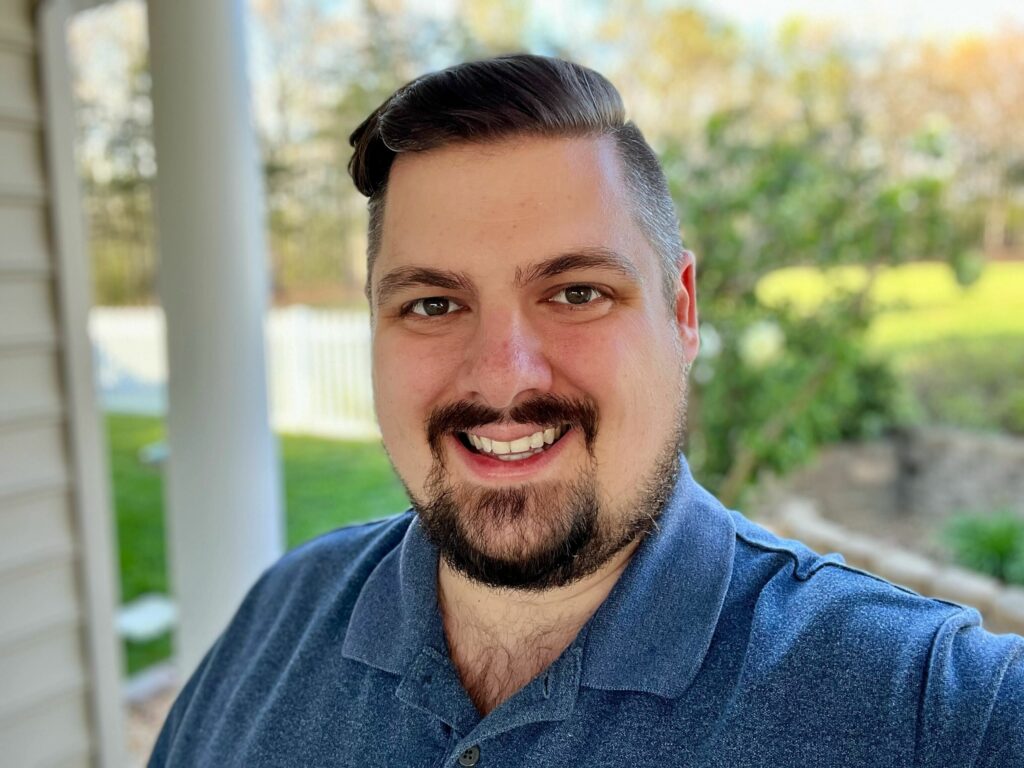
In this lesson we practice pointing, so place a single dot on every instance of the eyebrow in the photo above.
(413, 277)
(594, 257)
(591, 257)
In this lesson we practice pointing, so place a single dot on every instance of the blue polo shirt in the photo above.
(721, 645)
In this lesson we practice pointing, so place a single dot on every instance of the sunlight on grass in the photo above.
(921, 303)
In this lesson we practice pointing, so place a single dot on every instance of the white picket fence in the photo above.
(318, 361)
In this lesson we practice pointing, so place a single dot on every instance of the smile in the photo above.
(514, 450)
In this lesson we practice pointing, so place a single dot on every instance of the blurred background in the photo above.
(849, 174)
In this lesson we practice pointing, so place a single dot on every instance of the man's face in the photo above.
(529, 377)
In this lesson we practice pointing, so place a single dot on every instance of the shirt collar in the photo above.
(651, 634)
(653, 631)
(396, 615)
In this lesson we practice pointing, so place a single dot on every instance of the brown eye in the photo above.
(434, 306)
(576, 295)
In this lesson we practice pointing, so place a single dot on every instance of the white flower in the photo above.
(710, 341)
(761, 343)
(703, 372)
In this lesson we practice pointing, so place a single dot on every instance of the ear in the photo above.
(686, 305)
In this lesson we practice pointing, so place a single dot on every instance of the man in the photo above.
(563, 592)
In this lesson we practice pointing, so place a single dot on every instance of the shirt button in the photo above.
(470, 757)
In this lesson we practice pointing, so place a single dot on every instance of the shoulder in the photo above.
(799, 586)
(323, 574)
(302, 601)
(345, 552)
(839, 630)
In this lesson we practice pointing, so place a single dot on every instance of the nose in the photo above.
(505, 361)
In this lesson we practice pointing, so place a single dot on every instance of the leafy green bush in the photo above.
(779, 382)
(972, 383)
(991, 544)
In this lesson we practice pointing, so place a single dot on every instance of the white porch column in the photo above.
(222, 489)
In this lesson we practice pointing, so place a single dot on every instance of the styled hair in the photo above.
(504, 97)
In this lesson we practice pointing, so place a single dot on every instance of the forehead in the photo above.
(506, 203)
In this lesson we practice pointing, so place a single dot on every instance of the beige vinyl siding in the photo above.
(27, 308)
(16, 23)
(36, 668)
(26, 243)
(21, 160)
(53, 731)
(31, 455)
(33, 527)
(29, 381)
(45, 716)
(34, 599)
(16, 85)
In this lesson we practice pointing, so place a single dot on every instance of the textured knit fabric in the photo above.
(721, 645)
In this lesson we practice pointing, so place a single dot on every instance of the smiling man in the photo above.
(563, 592)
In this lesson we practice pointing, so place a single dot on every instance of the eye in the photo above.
(577, 295)
(433, 306)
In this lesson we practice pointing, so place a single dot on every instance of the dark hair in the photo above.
(516, 95)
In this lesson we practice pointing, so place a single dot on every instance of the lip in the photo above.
(486, 468)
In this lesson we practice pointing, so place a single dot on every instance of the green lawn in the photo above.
(327, 484)
(958, 350)
(922, 303)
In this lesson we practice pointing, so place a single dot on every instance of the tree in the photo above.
(779, 382)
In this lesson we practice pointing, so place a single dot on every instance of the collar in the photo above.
(653, 631)
(651, 634)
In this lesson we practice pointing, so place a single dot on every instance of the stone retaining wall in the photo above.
(907, 484)
(1001, 606)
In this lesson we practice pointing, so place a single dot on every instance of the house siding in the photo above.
(45, 717)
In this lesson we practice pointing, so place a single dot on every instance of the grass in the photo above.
(971, 383)
(922, 303)
(327, 484)
(958, 349)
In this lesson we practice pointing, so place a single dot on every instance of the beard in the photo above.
(540, 535)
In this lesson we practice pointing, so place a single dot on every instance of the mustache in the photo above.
(547, 410)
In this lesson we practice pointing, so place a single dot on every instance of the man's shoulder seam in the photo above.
(804, 569)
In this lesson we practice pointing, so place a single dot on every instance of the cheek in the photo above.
(619, 364)
(630, 370)
(409, 377)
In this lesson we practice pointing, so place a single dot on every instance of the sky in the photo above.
(881, 20)
(878, 20)
(867, 21)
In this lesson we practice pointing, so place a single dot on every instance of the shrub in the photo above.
(972, 383)
(779, 383)
(991, 544)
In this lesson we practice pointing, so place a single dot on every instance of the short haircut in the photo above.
(504, 97)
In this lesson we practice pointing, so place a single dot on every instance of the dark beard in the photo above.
(556, 533)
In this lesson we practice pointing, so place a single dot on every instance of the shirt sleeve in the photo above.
(972, 708)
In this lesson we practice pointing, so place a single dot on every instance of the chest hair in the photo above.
(492, 669)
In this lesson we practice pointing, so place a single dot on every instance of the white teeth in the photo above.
(515, 456)
(520, 448)
(520, 445)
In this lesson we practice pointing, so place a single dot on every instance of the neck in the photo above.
(500, 639)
